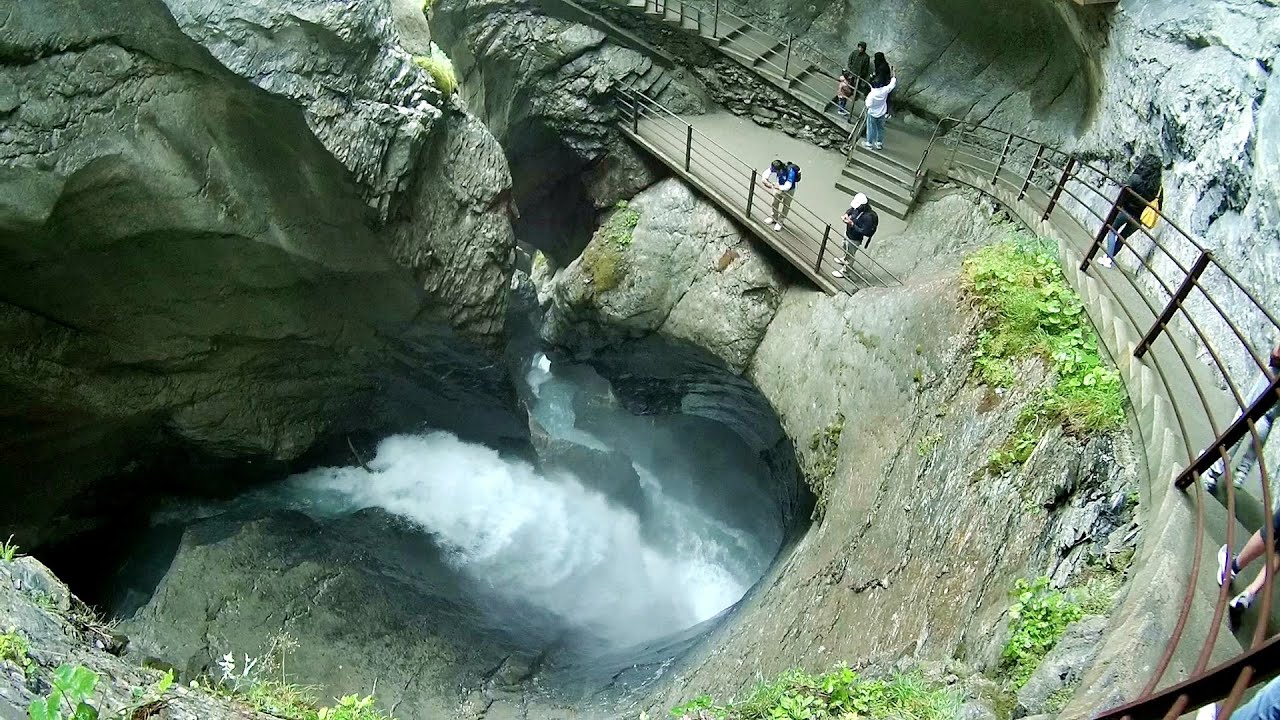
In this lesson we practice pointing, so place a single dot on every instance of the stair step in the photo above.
(647, 80)
(886, 204)
(663, 81)
(877, 189)
(879, 174)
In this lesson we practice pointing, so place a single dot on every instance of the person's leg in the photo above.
(1265, 705)
(1250, 454)
(879, 131)
(774, 208)
(871, 132)
(787, 197)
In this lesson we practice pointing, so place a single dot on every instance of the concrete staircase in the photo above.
(888, 177)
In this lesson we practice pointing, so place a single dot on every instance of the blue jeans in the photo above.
(1124, 226)
(875, 129)
(1264, 706)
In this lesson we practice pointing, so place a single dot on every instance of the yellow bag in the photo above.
(1151, 215)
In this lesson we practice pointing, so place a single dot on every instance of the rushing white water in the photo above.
(546, 540)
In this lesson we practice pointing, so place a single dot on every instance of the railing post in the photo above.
(1175, 302)
(826, 235)
(751, 191)
(1101, 237)
(1030, 173)
(1007, 142)
(1233, 434)
(681, 14)
(715, 22)
(787, 65)
(688, 146)
(1057, 192)
(635, 113)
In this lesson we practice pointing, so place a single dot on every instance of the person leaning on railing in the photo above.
(1229, 567)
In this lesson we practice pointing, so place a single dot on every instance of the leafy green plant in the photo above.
(426, 6)
(8, 550)
(797, 695)
(928, 444)
(1030, 311)
(441, 71)
(352, 707)
(14, 649)
(73, 688)
(696, 706)
(1038, 617)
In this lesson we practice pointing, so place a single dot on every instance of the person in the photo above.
(877, 109)
(1265, 705)
(780, 178)
(844, 91)
(860, 224)
(1262, 426)
(860, 69)
(881, 71)
(1229, 567)
(1142, 188)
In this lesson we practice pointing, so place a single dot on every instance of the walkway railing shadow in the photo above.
(1200, 338)
(807, 240)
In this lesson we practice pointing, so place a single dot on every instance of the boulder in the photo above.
(1065, 665)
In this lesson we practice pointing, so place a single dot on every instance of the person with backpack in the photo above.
(780, 178)
(860, 223)
(1136, 205)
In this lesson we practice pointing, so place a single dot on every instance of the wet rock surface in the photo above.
(194, 277)
(917, 543)
(53, 622)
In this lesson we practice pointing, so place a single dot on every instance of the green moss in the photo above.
(928, 444)
(840, 693)
(824, 447)
(1059, 698)
(426, 6)
(1030, 311)
(441, 71)
(604, 259)
(1038, 617)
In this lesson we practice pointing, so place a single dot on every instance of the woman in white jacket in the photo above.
(877, 108)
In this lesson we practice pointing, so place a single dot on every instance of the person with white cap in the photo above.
(860, 223)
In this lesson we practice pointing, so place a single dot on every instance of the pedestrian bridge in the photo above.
(1188, 336)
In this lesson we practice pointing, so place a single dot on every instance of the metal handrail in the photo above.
(716, 161)
(1008, 170)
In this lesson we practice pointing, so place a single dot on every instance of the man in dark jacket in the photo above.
(860, 223)
(860, 69)
(1142, 189)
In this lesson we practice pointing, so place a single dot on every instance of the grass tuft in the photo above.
(441, 71)
(1032, 312)
(8, 550)
(840, 693)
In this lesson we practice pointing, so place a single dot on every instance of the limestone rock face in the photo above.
(544, 85)
(50, 619)
(916, 544)
(1024, 65)
(192, 279)
(686, 272)
(1064, 666)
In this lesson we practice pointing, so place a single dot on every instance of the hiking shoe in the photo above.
(1208, 712)
(1106, 262)
(837, 274)
(1226, 566)
(879, 146)
(1235, 610)
(777, 226)
(867, 145)
(768, 220)
(1210, 480)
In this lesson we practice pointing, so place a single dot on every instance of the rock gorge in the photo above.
(241, 241)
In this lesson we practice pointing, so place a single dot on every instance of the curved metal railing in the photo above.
(811, 243)
(1169, 286)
